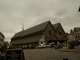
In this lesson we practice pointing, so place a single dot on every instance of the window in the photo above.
(1, 40)
(49, 32)
(59, 33)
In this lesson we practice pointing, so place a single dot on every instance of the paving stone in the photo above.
(49, 54)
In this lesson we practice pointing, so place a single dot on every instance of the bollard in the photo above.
(65, 58)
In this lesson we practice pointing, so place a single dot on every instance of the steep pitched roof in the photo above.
(27, 40)
(56, 25)
(2, 35)
(17, 34)
(31, 30)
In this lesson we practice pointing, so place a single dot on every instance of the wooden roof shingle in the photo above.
(27, 40)
(31, 30)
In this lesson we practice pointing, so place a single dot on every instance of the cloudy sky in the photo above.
(33, 12)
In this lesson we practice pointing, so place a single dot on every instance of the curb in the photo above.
(69, 51)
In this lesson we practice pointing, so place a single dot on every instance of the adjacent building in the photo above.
(74, 34)
(1, 39)
(45, 32)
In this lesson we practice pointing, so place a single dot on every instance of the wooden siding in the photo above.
(46, 32)
(42, 40)
(60, 29)
(1, 39)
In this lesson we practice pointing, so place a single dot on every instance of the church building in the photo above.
(45, 32)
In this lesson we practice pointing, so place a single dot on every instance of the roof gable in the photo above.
(2, 35)
(58, 28)
(56, 25)
(50, 27)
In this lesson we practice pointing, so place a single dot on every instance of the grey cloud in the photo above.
(34, 12)
(61, 12)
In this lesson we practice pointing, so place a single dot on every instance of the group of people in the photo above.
(58, 45)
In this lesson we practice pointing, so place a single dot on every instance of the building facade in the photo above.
(2, 38)
(74, 34)
(43, 33)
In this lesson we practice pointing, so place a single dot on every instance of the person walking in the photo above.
(58, 45)
(30, 46)
(52, 44)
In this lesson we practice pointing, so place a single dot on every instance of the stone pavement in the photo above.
(65, 49)
(49, 54)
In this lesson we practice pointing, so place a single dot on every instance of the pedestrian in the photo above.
(58, 45)
(30, 46)
(52, 44)
(1, 56)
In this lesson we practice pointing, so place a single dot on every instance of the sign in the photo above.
(15, 54)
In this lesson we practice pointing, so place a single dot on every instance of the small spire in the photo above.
(22, 26)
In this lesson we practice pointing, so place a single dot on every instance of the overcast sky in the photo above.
(33, 12)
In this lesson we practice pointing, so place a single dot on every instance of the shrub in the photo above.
(71, 45)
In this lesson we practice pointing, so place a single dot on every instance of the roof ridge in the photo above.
(33, 29)
(56, 25)
(37, 25)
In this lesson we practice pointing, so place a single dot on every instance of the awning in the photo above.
(52, 37)
(61, 37)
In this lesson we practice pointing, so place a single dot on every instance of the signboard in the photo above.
(14, 54)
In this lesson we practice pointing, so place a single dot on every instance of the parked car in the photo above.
(33, 47)
(26, 47)
(41, 46)
(48, 46)
(58, 46)
(51, 45)
(77, 42)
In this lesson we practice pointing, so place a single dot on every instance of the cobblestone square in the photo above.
(49, 54)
